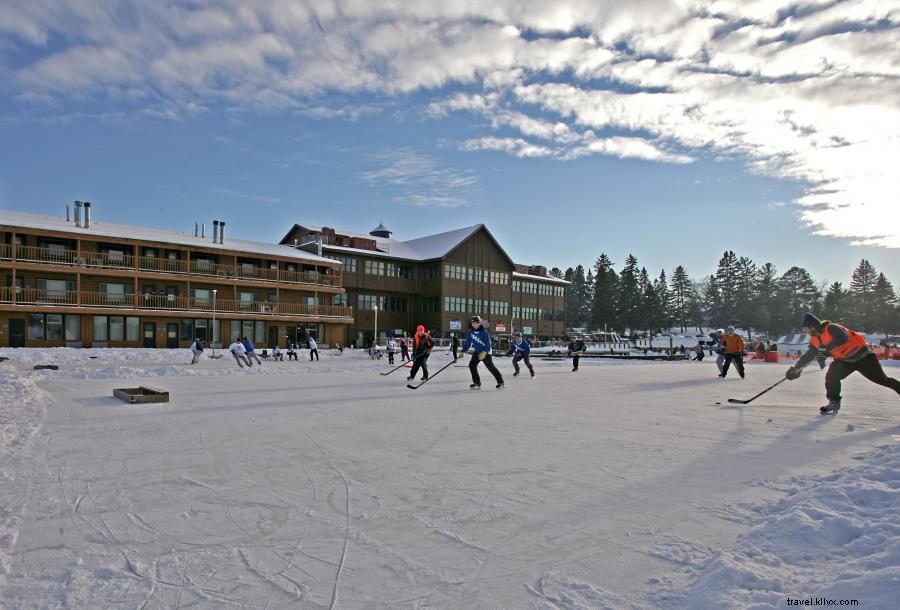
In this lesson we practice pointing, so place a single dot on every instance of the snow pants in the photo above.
(239, 358)
(868, 367)
(488, 363)
(575, 359)
(313, 352)
(738, 360)
(517, 358)
(720, 363)
(254, 356)
(421, 361)
(390, 357)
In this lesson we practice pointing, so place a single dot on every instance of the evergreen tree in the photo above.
(629, 301)
(834, 305)
(711, 300)
(682, 287)
(863, 307)
(765, 291)
(795, 293)
(603, 308)
(727, 289)
(587, 297)
(885, 302)
(695, 307)
(745, 312)
(556, 272)
(664, 302)
(576, 298)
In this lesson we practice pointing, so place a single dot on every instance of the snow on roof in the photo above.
(164, 236)
(420, 249)
(540, 278)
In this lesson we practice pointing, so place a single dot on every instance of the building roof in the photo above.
(540, 278)
(101, 228)
(425, 248)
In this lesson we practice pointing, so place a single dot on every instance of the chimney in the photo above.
(87, 214)
(196, 229)
(203, 231)
(319, 245)
(296, 242)
(215, 231)
(78, 205)
(221, 231)
(68, 218)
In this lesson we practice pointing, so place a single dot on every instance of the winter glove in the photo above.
(792, 374)
(482, 355)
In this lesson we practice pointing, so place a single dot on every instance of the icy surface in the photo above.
(300, 484)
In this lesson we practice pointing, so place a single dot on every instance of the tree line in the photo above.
(740, 292)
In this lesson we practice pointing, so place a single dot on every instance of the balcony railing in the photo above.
(32, 296)
(127, 262)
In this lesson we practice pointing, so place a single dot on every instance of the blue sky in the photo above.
(569, 130)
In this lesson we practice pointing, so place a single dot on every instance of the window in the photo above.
(248, 297)
(235, 330)
(116, 328)
(396, 304)
(200, 330)
(341, 299)
(114, 293)
(454, 272)
(247, 329)
(186, 329)
(259, 333)
(132, 328)
(349, 262)
(150, 252)
(54, 327)
(431, 272)
(431, 304)
(375, 267)
(248, 269)
(455, 304)
(73, 328)
(101, 328)
(201, 298)
(172, 255)
(397, 270)
(56, 289)
(369, 302)
(36, 326)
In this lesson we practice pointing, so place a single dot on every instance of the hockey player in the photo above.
(715, 339)
(480, 342)
(313, 348)
(576, 349)
(849, 352)
(239, 352)
(422, 346)
(391, 350)
(733, 346)
(520, 349)
(454, 346)
(196, 350)
(404, 350)
(251, 353)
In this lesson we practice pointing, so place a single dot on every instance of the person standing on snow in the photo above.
(480, 342)
(313, 348)
(715, 339)
(422, 350)
(391, 350)
(240, 353)
(850, 353)
(196, 350)
(251, 353)
(454, 346)
(576, 349)
(521, 347)
(404, 351)
(733, 346)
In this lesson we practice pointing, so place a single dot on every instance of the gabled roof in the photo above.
(428, 247)
(161, 236)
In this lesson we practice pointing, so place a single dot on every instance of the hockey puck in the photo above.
(718, 403)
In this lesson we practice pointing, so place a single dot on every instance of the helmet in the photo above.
(721, 331)
(420, 329)
(730, 329)
(475, 319)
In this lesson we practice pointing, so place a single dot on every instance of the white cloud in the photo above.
(415, 178)
(800, 89)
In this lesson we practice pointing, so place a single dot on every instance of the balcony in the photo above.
(32, 296)
(97, 260)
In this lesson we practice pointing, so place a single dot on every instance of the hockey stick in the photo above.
(430, 377)
(748, 401)
(402, 365)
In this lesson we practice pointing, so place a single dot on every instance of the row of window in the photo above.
(348, 261)
(537, 313)
(476, 274)
(389, 269)
(54, 327)
(368, 302)
(464, 305)
(538, 288)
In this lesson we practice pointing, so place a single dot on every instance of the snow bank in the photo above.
(833, 537)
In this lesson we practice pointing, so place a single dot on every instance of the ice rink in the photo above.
(316, 485)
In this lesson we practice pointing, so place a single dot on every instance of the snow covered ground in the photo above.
(326, 485)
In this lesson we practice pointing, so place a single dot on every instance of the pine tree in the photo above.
(556, 272)
(587, 298)
(834, 306)
(726, 284)
(603, 308)
(765, 291)
(862, 291)
(795, 293)
(886, 302)
(682, 286)
(629, 301)
(745, 312)
(664, 300)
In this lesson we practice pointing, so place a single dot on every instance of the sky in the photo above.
(671, 130)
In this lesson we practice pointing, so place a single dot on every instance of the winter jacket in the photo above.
(237, 348)
(248, 346)
(196, 347)
(312, 343)
(391, 346)
(837, 341)
(422, 344)
(732, 344)
(520, 347)
(714, 343)
(577, 346)
(479, 340)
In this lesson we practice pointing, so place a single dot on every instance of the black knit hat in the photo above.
(810, 321)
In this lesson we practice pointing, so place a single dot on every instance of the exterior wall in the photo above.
(292, 295)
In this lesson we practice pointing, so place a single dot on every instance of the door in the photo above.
(172, 336)
(16, 332)
(149, 334)
(273, 336)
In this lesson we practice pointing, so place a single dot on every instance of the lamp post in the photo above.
(214, 324)
(376, 328)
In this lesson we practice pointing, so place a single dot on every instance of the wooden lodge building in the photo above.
(438, 281)
(80, 282)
